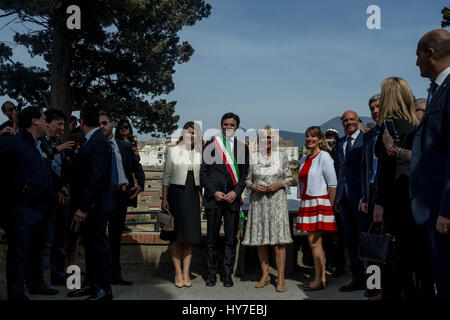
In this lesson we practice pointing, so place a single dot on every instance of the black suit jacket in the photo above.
(367, 163)
(215, 176)
(430, 161)
(131, 165)
(349, 170)
(91, 187)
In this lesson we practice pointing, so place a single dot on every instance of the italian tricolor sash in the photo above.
(233, 169)
(228, 158)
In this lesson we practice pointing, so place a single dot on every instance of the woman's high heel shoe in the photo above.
(262, 284)
(187, 283)
(179, 283)
(307, 287)
(281, 288)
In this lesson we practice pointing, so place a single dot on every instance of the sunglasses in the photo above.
(104, 123)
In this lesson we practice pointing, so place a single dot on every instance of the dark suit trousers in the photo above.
(354, 223)
(24, 235)
(115, 230)
(58, 255)
(410, 242)
(334, 246)
(439, 246)
(231, 224)
(97, 250)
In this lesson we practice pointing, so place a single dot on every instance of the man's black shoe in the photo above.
(227, 281)
(370, 293)
(17, 297)
(100, 295)
(44, 289)
(122, 282)
(211, 282)
(353, 286)
(84, 291)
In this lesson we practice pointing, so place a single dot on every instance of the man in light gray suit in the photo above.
(430, 161)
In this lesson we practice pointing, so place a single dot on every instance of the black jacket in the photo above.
(24, 174)
(391, 168)
(131, 165)
(216, 177)
(367, 163)
(91, 186)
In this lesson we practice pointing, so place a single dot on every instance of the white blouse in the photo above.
(321, 176)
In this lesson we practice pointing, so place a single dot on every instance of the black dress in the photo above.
(184, 205)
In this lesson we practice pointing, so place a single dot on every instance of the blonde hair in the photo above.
(317, 132)
(397, 101)
(270, 132)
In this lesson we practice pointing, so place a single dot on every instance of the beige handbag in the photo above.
(165, 221)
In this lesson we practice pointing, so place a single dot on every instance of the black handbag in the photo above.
(378, 247)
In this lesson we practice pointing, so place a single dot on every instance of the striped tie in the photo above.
(114, 170)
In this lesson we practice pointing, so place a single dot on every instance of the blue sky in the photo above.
(292, 63)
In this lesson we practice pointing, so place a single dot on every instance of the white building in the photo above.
(291, 153)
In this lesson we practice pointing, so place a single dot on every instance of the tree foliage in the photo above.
(445, 17)
(124, 53)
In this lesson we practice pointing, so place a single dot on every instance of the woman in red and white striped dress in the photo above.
(316, 189)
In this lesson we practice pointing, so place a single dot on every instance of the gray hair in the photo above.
(374, 98)
(421, 102)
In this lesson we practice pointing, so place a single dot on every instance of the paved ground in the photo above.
(151, 283)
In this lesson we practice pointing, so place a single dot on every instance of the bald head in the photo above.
(433, 53)
(350, 121)
(439, 41)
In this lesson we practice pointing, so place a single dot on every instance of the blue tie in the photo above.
(114, 170)
(431, 92)
(348, 147)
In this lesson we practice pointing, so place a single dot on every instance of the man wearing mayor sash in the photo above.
(223, 171)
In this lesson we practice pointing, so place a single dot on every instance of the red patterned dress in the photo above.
(315, 213)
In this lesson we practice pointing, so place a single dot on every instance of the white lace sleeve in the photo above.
(287, 174)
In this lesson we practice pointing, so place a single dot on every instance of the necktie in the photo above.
(348, 147)
(431, 92)
(83, 142)
(114, 170)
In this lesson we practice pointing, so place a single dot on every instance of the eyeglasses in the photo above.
(104, 122)
(125, 126)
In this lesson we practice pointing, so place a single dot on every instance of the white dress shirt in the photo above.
(442, 76)
(354, 136)
(122, 177)
(90, 133)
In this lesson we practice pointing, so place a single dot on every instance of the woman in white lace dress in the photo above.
(269, 179)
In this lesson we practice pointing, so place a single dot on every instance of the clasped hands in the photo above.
(229, 197)
(271, 187)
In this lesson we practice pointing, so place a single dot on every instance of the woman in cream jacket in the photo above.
(182, 198)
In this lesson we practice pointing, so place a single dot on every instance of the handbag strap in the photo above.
(371, 226)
